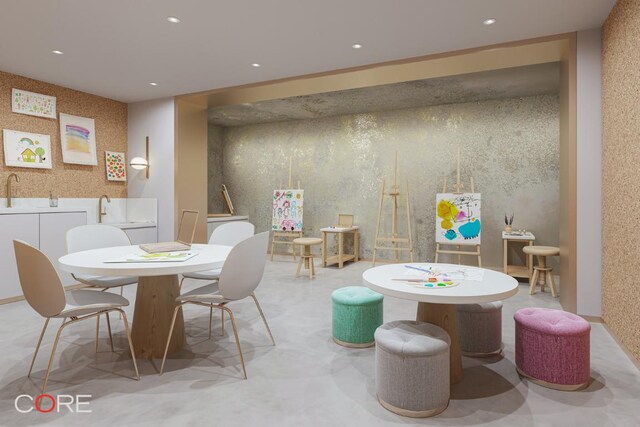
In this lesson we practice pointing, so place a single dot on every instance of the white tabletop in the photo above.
(93, 262)
(493, 286)
(510, 236)
(340, 229)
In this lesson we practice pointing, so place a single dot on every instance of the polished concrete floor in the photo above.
(306, 380)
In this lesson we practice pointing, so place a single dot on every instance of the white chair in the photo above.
(96, 236)
(43, 291)
(229, 234)
(240, 276)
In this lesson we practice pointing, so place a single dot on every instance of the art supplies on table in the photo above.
(156, 257)
(154, 248)
(438, 277)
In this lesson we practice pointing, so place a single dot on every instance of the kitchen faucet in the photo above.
(100, 212)
(9, 187)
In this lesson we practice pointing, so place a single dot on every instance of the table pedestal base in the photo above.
(155, 302)
(444, 315)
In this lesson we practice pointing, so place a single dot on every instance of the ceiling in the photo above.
(498, 84)
(116, 48)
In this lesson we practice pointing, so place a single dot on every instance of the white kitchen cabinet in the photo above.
(142, 235)
(20, 226)
(53, 231)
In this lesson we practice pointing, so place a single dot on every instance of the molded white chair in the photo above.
(43, 291)
(229, 234)
(96, 236)
(241, 273)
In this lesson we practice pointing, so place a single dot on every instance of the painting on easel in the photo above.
(458, 218)
(287, 210)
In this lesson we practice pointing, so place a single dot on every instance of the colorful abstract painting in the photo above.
(26, 150)
(33, 104)
(116, 166)
(78, 139)
(458, 219)
(287, 210)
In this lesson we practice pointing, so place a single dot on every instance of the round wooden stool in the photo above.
(542, 252)
(305, 254)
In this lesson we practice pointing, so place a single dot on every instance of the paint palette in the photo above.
(437, 282)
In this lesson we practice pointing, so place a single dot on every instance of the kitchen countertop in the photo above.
(31, 210)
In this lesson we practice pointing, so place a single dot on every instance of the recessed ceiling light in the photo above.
(57, 52)
(173, 19)
(153, 84)
(255, 65)
(356, 46)
(489, 21)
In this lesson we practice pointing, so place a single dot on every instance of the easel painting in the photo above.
(458, 219)
(287, 210)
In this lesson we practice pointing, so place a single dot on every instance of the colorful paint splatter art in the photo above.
(33, 104)
(78, 139)
(116, 166)
(458, 218)
(26, 150)
(287, 210)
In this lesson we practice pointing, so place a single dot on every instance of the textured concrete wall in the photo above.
(620, 185)
(510, 147)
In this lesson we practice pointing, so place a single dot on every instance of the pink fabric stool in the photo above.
(552, 348)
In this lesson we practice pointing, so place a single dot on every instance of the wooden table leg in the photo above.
(444, 315)
(505, 257)
(155, 303)
(324, 248)
(340, 250)
(356, 245)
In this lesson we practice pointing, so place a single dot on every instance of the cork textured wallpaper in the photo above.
(64, 180)
(620, 185)
(511, 147)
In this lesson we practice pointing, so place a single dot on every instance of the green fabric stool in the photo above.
(357, 313)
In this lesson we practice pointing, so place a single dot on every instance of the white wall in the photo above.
(589, 173)
(154, 119)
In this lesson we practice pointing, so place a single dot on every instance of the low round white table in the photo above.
(157, 289)
(438, 306)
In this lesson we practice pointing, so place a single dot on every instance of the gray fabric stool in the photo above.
(480, 329)
(412, 368)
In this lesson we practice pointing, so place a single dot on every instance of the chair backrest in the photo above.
(243, 269)
(39, 280)
(231, 233)
(95, 236)
(187, 226)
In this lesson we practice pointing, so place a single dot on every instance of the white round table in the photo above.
(157, 289)
(437, 306)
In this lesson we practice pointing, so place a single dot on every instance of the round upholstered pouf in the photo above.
(480, 329)
(552, 348)
(357, 312)
(412, 368)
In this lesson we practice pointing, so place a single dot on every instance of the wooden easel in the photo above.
(285, 237)
(227, 201)
(382, 243)
(458, 187)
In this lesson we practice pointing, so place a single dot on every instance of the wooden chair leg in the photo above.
(552, 284)
(53, 352)
(235, 333)
(534, 282)
(97, 331)
(264, 319)
(210, 320)
(44, 328)
(128, 332)
(299, 266)
(166, 349)
(109, 329)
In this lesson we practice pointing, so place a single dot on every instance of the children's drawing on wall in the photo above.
(26, 150)
(458, 218)
(287, 210)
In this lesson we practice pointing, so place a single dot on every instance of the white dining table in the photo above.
(157, 289)
(438, 305)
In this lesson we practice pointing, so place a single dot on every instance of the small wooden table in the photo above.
(341, 257)
(521, 271)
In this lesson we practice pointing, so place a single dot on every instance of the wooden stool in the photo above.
(542, 252)
(305, 255)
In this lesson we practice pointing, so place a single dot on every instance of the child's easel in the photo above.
(227, 202)
(394, 240)
(458, 187)
(286, 237)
